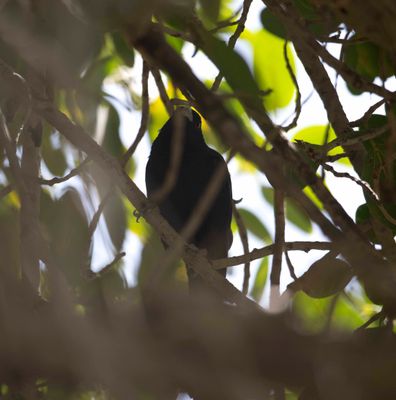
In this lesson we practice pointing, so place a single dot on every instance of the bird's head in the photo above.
(191, 115)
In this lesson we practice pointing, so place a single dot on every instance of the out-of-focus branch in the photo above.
(30, 203)
(293, 77)
(268, 250)
(279, 213)
(161, 89)
(245, 245)
(143, 118)
(74, 172)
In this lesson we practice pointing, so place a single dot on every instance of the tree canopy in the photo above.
(68, 193)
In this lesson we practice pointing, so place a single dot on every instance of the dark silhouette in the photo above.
(197, 164)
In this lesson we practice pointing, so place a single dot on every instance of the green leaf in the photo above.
(111, 140)
(254, 225)
(297, 216)
(232, 66)
(272, 24)
(66, 226)
(211, 9)
(9, 238)
(54, 158)
(325, 277)
(270, 70)
(260, 280)
(125, 52)
(319, 135)
(368, 59)
(311, 312)
(115, 216)
(314, 313)
(175, 42)
(268, 193)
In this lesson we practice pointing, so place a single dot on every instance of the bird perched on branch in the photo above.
(178, 172)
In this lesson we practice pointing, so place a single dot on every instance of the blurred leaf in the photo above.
(66, 228)
(320, 135)
(175, 42)
(232, 66)
(296, 215)
(309, 193)
(211, 8)
(314, 313)
(9, 238)
(270, 70)
(153, 253)
(89, 95)
(254, 225)
(378, 172)
(54, 158)
(346, 316)
(113, 284)
(268, 193)
(325, 277)
(260, 279)
(367, 59)
(362, 215)
(125, 52)
(272, 24)
(140, 228)
(116, 221)
(111, 139)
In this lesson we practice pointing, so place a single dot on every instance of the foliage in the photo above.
(68, 202)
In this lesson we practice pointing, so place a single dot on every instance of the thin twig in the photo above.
(109, 267)
(293, 77)
(143, 118)
(234, 38)
(95, 219)
(367, 114)
(372, 319)
(268, 250)
(290, 265)
(245, 245)
(346, 175)
(279, 213)
(71, 174)
(351, 140)
(162, 90)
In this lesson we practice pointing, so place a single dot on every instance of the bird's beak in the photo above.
(185, 111)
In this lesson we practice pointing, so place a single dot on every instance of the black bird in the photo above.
(197, 164)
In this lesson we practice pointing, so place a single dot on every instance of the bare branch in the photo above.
(279, 213)
(162, 90)
(234, 38)
(363, 184)
(245, 245)
(368, 114)
(268, 250)
(74, 172)
(144, 116)
(293, 123)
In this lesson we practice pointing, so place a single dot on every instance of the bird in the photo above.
(197, 164)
